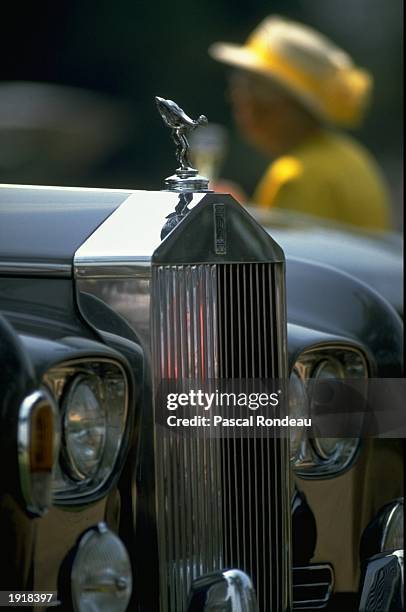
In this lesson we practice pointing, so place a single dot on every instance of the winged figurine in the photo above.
(180, 124)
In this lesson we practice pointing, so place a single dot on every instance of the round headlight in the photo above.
(298, 409)
(84, 427)
(326, 447)
(101, 577)
(336, 383)
(93, 395)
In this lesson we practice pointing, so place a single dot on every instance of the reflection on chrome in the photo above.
(229, 591)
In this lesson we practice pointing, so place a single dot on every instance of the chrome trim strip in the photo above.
(310, 604)
(59, 188)
(23, 268)
(118, 267)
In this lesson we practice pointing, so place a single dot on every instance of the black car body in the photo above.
(95, 304)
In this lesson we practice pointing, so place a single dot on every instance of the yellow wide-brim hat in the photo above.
(307, 64)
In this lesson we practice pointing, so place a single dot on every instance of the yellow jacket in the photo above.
(330, 176)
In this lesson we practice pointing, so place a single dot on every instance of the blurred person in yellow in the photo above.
(291, 91)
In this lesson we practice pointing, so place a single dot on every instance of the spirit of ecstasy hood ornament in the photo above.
(187, 178)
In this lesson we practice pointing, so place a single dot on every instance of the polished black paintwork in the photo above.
(17, 379)
(41, 306)
(51, 331)
(325, 304)
(375, 260)
(48, 225)
(48, 329)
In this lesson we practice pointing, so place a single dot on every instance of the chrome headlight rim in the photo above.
(67, 491)
(296, 453)
(312, 465)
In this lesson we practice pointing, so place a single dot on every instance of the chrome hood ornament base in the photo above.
(186, 178)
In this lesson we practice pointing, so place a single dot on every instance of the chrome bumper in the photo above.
(228, 591)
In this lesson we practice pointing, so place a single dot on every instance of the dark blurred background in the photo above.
(121, 54)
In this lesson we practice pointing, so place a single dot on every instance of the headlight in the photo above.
(322, 456)
(298, 409)
(93, 398)
(328, 448)
(84, 426)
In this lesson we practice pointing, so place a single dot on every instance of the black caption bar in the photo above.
(28, 598)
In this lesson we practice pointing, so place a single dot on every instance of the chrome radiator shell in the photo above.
(116, 267)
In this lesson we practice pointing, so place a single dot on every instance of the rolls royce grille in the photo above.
(221, 503)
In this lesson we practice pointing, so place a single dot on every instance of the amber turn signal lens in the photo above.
(42, 444)
(38, 441)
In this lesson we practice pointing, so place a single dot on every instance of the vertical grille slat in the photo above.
(254, 467)
(221, 503)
